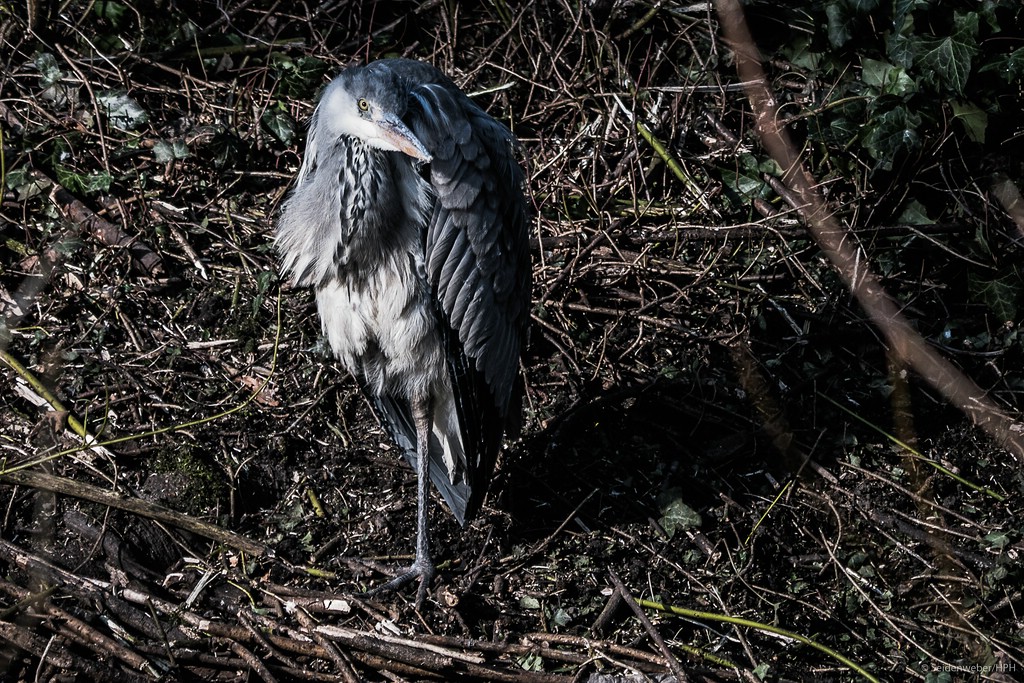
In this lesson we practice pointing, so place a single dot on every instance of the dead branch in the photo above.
(673, 663)
(148, 261)
(77, 489)
(844, 250)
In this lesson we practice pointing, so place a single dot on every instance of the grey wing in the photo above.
(477, 261)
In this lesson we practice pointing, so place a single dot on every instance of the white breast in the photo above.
(383, 328)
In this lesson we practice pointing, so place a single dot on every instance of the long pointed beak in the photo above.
(398, 134)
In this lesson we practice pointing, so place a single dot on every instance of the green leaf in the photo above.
(24, 184)
(892, 134)
(1010, 67)
(841, 131)
(67, 247)
(301, 77)
(997, 539)
(839, 23)
(989, 10)
(915, 213)
(81, 183)
(47, 65)
(744, 185)
(900, 50)
(888, 79)
(108, 9)
(899, 46)
(166, 151)
(561, 617)
(972, 118)
(675, 514)
(122, 111)
(901, 10)
(999, 294)
(529, 602)
(532, 662)
(280, 124)
(946, 62)
(801, 53)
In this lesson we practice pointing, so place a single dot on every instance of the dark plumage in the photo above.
(408, 220)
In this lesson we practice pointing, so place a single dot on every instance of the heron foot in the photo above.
(424, 570)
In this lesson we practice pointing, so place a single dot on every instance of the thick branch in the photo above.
(844, 250)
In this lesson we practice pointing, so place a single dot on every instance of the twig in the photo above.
(521, 560)
(57, 656)
(340, 662)
(8, 613)
(106, 232)
(251, 660)
(673, 663)
(74, 627)
(738, 621)
(77, 489)
(54, 403)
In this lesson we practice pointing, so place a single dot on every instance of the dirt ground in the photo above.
(710, 422)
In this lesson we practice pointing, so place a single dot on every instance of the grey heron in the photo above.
(408, 219)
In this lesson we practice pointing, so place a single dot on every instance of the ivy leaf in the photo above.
(844, 131)
(675, 514)
(946, 62)
(561, 617)
(114, 11)
(892, 134)
(840, 21)
(529, 602)
(973, 118)
(839, 25)
(25, 184)
(165, 151)
(901, 9)
(900, 50)
(899, 47)
(46, 63)
(531, 662)
(997, 540)
(746, 186)
(300, 77)
(1000, 294)
(1010, 67)
(845, 18)
(280, 124)
(989, 10)
(915, 213)
(83, 183)
(800, 52)
(888, 79)
(122, 111)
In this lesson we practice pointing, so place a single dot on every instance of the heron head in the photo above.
(368, 103)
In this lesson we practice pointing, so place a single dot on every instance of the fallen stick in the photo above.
(843, 249)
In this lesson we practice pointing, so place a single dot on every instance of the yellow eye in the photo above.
(363, 105)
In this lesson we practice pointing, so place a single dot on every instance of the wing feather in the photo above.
(477, 262)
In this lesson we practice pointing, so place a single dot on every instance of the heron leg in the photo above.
(422, 566)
